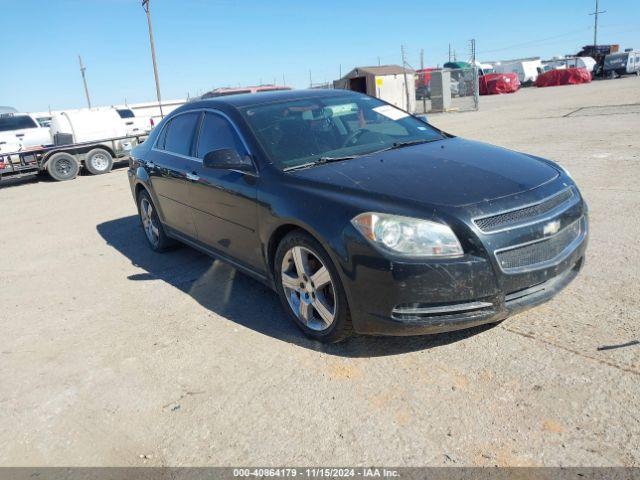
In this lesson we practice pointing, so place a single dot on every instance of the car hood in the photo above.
(452, 172)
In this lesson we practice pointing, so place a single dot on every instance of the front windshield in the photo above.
(298, 132)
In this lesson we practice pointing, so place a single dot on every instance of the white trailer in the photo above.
(527, 69)
(90, 138)
(570, 62)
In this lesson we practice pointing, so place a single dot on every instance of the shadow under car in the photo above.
(224, 290)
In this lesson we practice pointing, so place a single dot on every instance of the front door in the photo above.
(224, 201)
(168, 167)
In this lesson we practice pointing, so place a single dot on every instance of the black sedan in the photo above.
(362, 217)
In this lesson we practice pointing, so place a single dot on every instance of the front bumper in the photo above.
(429, 320)
(392, 297)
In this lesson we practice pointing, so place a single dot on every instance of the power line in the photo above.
(535, 42)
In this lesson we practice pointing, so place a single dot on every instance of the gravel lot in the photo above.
(114, 355)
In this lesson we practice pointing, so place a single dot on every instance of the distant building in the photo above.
(386, 82)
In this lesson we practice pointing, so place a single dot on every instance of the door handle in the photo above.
(193, 176)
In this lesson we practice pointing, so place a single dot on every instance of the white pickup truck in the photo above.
(20, 131)
(133, 124)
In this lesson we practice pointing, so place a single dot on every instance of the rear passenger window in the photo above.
(217, 133)
(179, 134)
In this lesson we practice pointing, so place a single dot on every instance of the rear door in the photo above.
(167, 164)
(224, 201)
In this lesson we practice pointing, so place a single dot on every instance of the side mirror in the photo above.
(228, 159)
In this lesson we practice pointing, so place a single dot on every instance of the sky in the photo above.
(203, 44)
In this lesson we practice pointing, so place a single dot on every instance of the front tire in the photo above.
(98, 161)
(153, 229)
(310, 289)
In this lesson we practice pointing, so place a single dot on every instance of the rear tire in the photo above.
(310, 288)
(98, 161)
(63, 166)
(154, 231)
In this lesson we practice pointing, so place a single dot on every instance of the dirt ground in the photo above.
(113, 355)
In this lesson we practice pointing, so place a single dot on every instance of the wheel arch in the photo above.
(139, 188)
(143, 186)
(282, 231)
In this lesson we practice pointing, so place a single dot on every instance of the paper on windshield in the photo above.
(391, 112)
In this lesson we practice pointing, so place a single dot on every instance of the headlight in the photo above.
(407, 236)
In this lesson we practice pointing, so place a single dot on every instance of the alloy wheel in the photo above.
(148, 222)
(308, 288)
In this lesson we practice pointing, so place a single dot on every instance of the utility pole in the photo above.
(422, 84)
(595, 24)
(147, 9)
(378, 61)
(84, 80)
(404, 72)
(476, 85)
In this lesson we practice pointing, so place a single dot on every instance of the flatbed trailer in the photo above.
(63, 162)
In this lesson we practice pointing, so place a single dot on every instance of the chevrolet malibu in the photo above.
(360, 216)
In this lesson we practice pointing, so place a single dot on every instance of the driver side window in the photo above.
(216, 133)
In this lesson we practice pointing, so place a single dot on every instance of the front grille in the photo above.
(495, 222)
(539, 252)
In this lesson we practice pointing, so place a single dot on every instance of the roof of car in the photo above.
(251, 99)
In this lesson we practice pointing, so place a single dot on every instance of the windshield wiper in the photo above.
(409, 143)
(405, 144)
(319, 161)
(323, 160)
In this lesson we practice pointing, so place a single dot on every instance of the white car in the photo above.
(19, 131)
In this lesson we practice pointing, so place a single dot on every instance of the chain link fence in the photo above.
(461, 95)
(453, 88)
